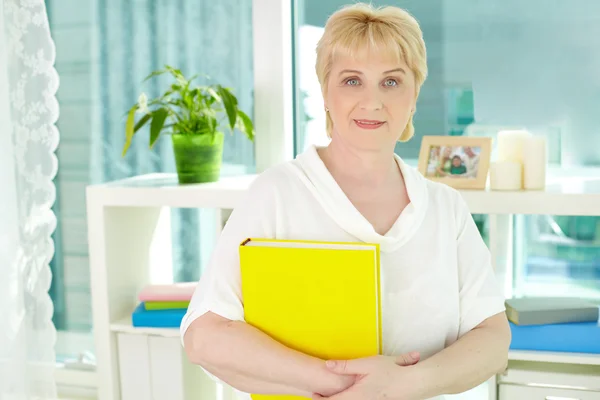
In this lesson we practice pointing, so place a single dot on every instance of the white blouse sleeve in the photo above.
(219, 288)
(479, 291)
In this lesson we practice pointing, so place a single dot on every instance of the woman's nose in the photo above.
(371, 100)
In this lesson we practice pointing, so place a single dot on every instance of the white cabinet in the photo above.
(154, 367)
(529, 380)
(128, 233)
(516, 392)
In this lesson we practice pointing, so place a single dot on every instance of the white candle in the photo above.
(510, 145)
(506, 175)
(534, 163)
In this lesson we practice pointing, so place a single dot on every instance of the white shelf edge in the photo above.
(532, 202)
(554, 357)
(125, 326)
(230, 191)
(132, 192)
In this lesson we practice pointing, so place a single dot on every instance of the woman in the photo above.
(443, 314)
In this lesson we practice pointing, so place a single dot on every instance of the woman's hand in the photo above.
(343, 382)
(374, 377)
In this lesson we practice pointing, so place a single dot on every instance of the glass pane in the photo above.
(482, 223)
(492, 64)
(104, 51)
(557, 256)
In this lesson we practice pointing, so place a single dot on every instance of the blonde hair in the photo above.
(365, 27)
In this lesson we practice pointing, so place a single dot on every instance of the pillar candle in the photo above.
(534, 163)
(510, 145)
(506, 175)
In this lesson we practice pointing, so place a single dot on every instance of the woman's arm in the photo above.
(215, 335)
(484, 336)
(252, 362)
(471, 360)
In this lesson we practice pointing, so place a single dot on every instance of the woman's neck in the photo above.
(366, 168)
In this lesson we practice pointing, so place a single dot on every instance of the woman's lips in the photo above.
(368, 124)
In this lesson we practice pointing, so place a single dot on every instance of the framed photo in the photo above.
(462, 162)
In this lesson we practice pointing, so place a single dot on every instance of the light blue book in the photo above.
(156, 318)
(579, 337)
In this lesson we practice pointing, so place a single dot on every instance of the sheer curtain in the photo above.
(28, 139)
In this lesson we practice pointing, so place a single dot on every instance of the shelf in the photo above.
(554, 357)
(162, 190)
(125, 326)
(568, 195)
(568, 192)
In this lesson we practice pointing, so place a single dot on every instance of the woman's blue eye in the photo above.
(391, 82)
(352, 82)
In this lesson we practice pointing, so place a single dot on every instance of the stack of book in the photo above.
(163, 306)
(560, 324)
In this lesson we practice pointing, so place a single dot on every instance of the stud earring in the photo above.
(326, 109)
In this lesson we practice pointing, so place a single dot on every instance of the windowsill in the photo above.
(73, 381)
(71, 343)
(76, 385)
(75, 378)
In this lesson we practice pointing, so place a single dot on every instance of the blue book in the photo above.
(156, 318)
(577, 337)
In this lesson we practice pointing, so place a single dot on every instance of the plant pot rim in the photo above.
(203, 139)
(195, 134)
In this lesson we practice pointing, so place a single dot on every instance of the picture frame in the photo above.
(462, 162)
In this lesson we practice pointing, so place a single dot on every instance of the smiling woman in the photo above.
(436, 306)
(368, 96)
(371, 68)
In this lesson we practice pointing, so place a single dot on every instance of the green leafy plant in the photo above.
(184, 109)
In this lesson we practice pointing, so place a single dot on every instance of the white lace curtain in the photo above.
(28, 139)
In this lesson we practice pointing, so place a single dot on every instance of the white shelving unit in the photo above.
(126, 231)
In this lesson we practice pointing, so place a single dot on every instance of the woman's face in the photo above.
(370, 100)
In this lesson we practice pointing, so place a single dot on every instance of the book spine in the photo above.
(512, 315)
(558, 316)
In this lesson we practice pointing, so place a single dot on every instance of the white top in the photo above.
(436, 272)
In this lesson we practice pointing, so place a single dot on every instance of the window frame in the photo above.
(272, 29)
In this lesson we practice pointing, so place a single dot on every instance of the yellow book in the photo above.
(320, 298)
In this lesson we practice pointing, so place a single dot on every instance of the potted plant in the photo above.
(194, 116)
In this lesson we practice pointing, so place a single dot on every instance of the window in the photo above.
(493, 65)
(104, 51)
(557, 256)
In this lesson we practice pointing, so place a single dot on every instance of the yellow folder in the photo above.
(320, 298)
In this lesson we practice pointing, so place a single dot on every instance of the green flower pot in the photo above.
(197, 157)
